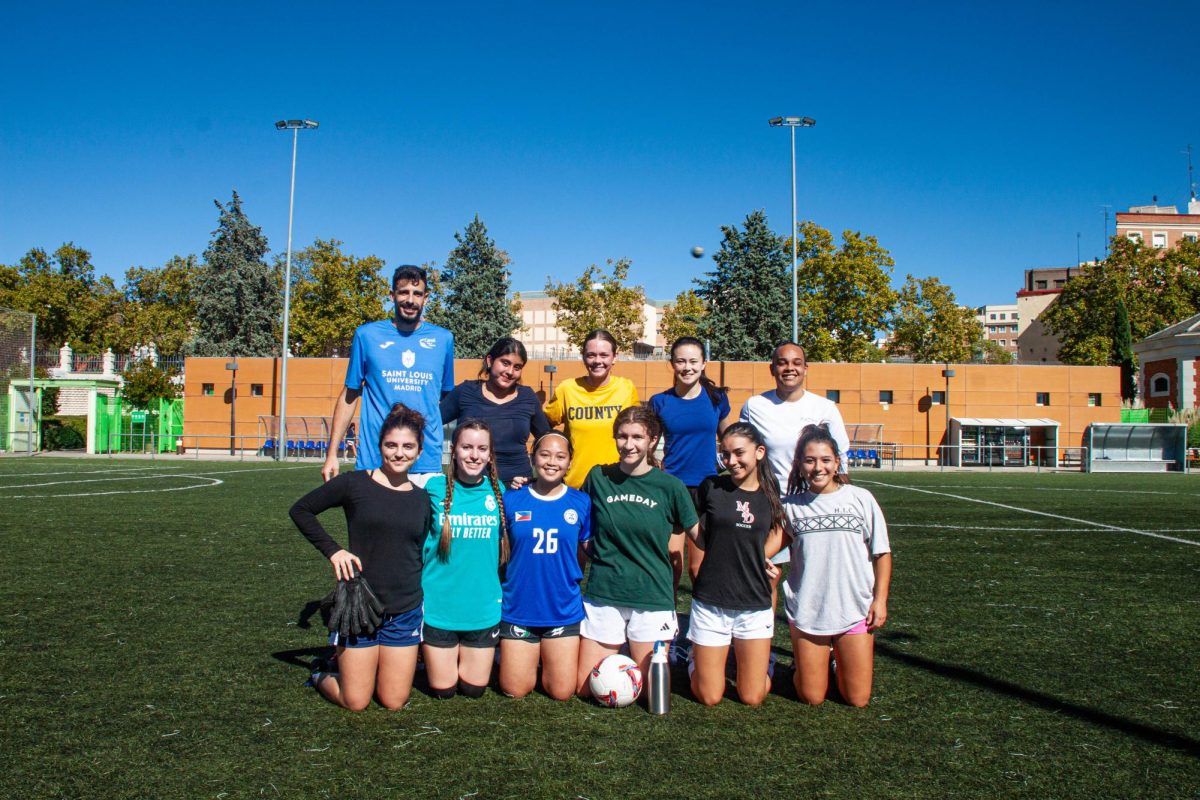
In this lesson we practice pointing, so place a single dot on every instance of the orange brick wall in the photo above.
(977, 390)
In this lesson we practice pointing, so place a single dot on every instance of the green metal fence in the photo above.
(120, 429)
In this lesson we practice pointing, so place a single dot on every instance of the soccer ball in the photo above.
(616, 681)
(697, 252)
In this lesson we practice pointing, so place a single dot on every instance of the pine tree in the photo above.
(474, 291)
(749, 294)
(1122, 354)
(238, 297)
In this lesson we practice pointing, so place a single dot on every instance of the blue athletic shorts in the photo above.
(396, 630)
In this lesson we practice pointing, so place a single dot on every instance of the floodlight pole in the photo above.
(295, 126)
(32, 367)
(793, 123)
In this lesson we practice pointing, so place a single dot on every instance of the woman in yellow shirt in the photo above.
(587, 407)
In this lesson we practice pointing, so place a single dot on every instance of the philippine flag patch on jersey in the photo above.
(523, 516)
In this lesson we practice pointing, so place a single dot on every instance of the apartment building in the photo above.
(1000, 324)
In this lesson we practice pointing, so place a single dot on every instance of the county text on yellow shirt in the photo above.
(587, 415)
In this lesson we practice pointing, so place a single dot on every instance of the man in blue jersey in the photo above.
(399, 360)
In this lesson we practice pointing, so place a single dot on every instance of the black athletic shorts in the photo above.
(440, 637)
(535, 634)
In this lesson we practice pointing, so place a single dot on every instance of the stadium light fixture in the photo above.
(793, 123)
(295, 126)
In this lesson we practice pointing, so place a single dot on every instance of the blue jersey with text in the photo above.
(391, 366)
(541, 584)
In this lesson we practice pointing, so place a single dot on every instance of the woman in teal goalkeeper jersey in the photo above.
(461, 578)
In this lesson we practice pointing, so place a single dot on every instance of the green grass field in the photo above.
(152, 647)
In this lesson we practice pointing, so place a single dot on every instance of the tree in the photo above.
(930, 326)
(238, 302)
(146, 384)
(846, 294)
(988, 352)
(71, 304)
(332, 294)
(682, 317)
(1157, 288)
(474, 292)
(600, 300)
(748, 295)
(159, 306)
(1122, 354)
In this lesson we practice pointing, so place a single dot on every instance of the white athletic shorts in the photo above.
(713, 626)
(615, 624)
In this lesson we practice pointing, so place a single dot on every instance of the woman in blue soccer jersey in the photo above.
(463, 554)
(387, 517)
(548, 525)
(512, 410)
(693, 411)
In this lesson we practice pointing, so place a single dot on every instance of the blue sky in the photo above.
(973, 140)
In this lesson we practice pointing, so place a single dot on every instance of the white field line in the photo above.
(200, 476)
(252, 470)
(1103, 525)
(1054, 489)
(65, 473)
(1021, 530)
(211, 482)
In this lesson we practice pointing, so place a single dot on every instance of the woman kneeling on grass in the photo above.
(741, 528)
(549, 523)
(463, 554)
(387, 517)
(837, 590)
(639, 516)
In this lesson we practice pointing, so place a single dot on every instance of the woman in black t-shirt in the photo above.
(387, 517)
(741, 527)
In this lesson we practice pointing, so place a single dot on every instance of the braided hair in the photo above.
(443, 549)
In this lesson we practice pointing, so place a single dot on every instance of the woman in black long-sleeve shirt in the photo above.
(387, 516)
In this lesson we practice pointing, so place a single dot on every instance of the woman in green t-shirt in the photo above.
(466, 546)
(639, 517)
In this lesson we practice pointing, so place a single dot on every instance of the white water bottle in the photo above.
(660, 680)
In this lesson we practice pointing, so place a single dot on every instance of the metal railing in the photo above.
(973, 458)
(225, 447)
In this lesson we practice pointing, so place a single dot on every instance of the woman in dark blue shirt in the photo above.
(511, 410)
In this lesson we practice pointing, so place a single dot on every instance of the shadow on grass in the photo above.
(1041, 700)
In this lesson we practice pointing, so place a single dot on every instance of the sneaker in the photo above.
(771, 665)
(681, 652)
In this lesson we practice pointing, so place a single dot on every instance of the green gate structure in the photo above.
(120, 429)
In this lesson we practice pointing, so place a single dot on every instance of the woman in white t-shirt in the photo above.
(837, 590)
